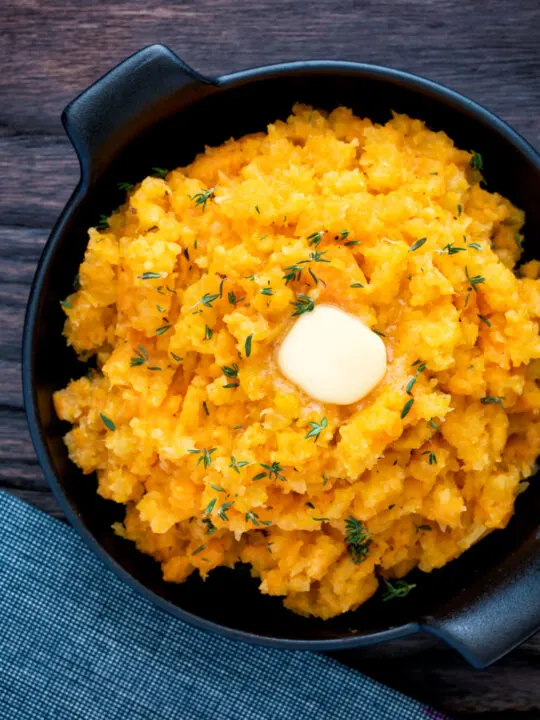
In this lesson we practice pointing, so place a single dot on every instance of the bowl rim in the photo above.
(409, 81)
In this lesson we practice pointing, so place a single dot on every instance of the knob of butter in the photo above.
(332, 356)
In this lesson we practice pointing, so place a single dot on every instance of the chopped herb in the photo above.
(186, 254)
(149, 276)
(320, 519)
(199, 549)
(103, 222)
(475, 246)
(260, 476)
(492, 401)
(302, 304)
(160, 289)
(315, 238)
(238, 427)
(418, 244)
(416, 362)
(222, 512)
(517, 240)
(477, 161)
(397, 589)
(210, 506)
(484, 319)
(160, 309)
(452, 249)
(207, 332)
(237, 464)
(66, 305)
(76, 282)
(432, 457)
(249, 277)
(267, 291)
(255, 519)
(230, 370)
(315, 278)
(154, 367)
(357, 285)
(205, 408)
(208, 299)
(126, 187)
(217, 488)
(344, 234)
(154, 227)
(357, 540)
(233, 299)
(269, 548)
(316, 429)
(350, 243)
(163, 329)
(459, 210)
(474, 281)
(325, 480)
(427, 528)
(211, 528)
(107, 422)
(173, 292)
(248, 345)
(406, 408)
(206, 456)
(159, 172)
(257, 210)
(310, 505)
(433, 424)
(274, 471)
(412, 381)
(294, 273)
(229, 386)
(201, 198)
(378, 332)
(317, 257)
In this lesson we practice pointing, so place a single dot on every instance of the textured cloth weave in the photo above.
(76, 643)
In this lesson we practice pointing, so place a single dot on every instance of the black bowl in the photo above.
(154, 111)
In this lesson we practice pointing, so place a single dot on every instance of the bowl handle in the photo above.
(125, 102)
(496, 614)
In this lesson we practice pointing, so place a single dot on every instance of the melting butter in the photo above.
(332, 356)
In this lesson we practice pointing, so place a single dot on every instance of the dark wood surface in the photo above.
(49, 51)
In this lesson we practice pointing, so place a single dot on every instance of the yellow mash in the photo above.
(185, 297)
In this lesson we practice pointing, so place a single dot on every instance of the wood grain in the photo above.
(51, 51)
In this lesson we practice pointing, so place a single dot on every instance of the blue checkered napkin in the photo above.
(77, 643)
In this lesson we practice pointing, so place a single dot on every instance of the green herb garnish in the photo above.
(163, 329)
(474, 281)
(199, 549)
(159, 172)
(205, 408)
(485, 320)
(274, 471)
(210, 506)
(248, 345)
(315, 238)
(316, 429)
(357, 285)
(233, 299)
(475, 246)
(267, 291)
(107, 422)
(206, 456)
(302, 304)
(103, 223)
(237, 464)
(126, 187)
(433, 424)
(357, 540)
(207, 332)
(66, 305)
(149, 276)
(488, 400)
(222, 512)
(230, 370)
(418, 244)
(406, 408)
(452, 249)
(201, 198)
(255, 519)
(432, 457)
(397, 589)
(477, 162)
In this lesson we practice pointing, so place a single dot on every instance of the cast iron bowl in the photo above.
(154, 111)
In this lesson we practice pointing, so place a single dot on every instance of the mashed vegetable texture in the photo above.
(183, 297)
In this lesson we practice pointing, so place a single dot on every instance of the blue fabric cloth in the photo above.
(77, 643)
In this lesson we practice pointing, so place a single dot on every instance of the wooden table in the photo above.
(50, 51)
